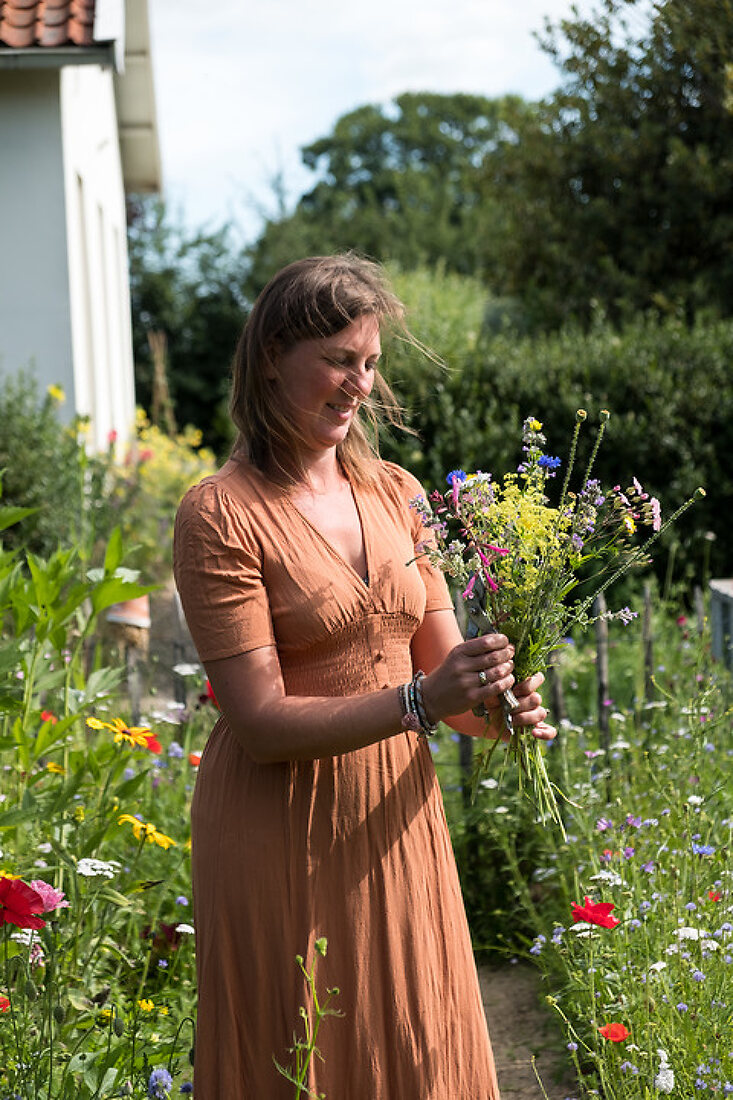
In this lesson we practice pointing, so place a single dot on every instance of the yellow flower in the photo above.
(146, 831)
(163, 1010)
(6, 874)
(79, 813)
(145, 1005)
(139, 737)
(55, 769)
(56, 393)
(105, 1013)
(629, 524)
(535, 426)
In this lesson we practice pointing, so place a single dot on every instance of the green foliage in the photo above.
(667, 386)
(45, 468)
(401, 182)
(618, 190)
(188, 286)
(101, 994)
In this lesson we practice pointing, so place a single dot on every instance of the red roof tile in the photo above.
(49, 23)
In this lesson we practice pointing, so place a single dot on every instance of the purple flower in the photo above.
(682, 1007)
(603, 823)
(632, 820)
(181, 900)
(628, 852)
(698, 976)
(703, 849)
(160, 1084)
(648, 866)
(572, 1046)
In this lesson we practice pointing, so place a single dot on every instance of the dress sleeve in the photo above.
(438, 598)
(217, 565)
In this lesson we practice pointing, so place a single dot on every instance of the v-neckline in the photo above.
(365, 582)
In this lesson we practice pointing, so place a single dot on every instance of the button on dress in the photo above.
(352, 847)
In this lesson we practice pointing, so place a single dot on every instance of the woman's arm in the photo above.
(273, 726)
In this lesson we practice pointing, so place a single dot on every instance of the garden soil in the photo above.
(521, 1026)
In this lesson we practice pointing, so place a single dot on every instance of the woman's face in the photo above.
(325, 380)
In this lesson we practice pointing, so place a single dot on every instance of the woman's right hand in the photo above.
(474, 672)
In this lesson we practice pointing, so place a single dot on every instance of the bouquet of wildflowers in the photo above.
(517, 559)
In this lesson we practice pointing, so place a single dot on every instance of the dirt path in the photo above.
(519, 1024)
(520, 1027)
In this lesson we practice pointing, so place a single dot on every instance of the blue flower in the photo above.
(181, 900)
(186, 1087)
(175, 750)
(160, 1084)
(548, 462)
(703, 849)
(456, 475)
(682, 1007)
(698, 976)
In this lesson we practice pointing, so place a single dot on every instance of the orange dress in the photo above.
(352, 847)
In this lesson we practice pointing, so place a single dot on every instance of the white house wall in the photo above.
(98, 273)
(35, 328)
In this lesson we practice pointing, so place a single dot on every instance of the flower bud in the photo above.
(118, 1026)
(59, 1013)
(30, 990)
(605, 415)
(580, 415)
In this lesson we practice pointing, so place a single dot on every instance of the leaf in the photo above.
(11, 515)
(113, 553)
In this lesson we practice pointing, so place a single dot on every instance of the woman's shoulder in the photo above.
(232, 493)
(400, 480)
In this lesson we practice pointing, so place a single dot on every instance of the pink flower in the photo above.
(656, 514)
(51, 898)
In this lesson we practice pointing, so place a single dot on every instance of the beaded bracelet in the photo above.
(412, 705)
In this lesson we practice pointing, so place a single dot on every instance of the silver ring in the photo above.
(483, 678)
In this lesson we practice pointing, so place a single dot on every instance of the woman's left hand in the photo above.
(530, 711)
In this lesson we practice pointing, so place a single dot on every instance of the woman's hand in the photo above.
(530, 712)
(474, 672)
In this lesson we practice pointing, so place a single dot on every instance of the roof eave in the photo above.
(56, 57)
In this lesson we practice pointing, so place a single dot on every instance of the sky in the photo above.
(241, 85)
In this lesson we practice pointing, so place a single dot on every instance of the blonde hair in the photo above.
(310, 299)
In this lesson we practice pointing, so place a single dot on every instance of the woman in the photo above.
(316, 810)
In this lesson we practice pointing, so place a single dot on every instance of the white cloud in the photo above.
(241, 87)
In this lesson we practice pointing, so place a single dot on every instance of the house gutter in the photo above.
(45, 57)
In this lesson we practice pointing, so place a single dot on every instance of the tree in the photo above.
(189, 287)
(620, 188)
(401, 182)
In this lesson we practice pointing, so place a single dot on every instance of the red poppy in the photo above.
(598, 912)
(153, 744)
(4, 1003)
(49, 716)
(615, 1033)
(210, 695)
(18, 904)
(714, 895)
(194, 759)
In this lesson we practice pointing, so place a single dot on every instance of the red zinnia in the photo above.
(598, 912)
(4, 1003)
(18, 904)
(615, 1033)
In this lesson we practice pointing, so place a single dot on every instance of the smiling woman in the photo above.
(317, 810)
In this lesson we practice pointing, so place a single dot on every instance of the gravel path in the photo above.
(521, 1026)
